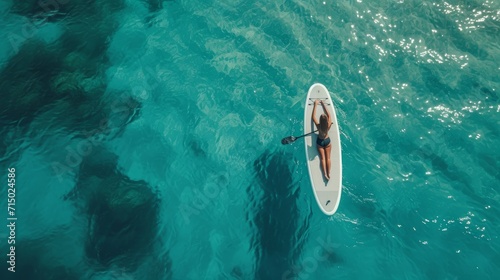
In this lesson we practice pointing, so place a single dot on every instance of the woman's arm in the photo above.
(326, 110)
(327, 114)
(314, 114)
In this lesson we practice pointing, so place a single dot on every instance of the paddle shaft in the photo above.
(306, 134)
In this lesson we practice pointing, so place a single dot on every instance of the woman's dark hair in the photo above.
(323, 123)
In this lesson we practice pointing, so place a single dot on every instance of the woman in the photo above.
(323, 141)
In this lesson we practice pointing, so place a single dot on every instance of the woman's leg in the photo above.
(322, 157)
(328, 150)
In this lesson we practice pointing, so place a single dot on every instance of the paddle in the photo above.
(291, 139)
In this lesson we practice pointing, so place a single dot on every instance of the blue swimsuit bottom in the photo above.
(323, 142)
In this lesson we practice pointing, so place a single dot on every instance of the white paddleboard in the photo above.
(327, 192)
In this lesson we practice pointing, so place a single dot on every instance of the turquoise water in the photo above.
(146, 139)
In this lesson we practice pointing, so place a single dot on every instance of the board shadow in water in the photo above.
(279, 229)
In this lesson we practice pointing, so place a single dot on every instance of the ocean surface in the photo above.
(144, 139)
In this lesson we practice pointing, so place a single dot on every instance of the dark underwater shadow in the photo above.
(35, 259)
(25, 82)
(40, 73)
(56, 10)
(155, 5)
(122, 214)
(61, 83)
(279, 230)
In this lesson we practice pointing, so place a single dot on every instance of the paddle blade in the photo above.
(288, 140)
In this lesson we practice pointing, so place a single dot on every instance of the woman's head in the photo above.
(323, 122)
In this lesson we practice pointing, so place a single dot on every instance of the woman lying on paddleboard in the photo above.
(323, 141)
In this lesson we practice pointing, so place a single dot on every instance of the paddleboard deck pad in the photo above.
(327, 192)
